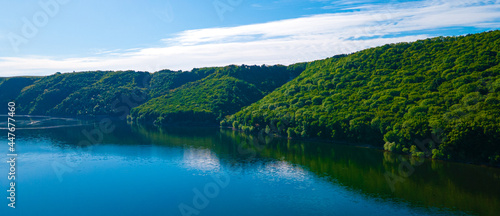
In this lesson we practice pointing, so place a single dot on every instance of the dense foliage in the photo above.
(105, 95)
(225, 91)
(165, 80)
(58, 94)
(439, 97)
(201, 96)
(49, 91)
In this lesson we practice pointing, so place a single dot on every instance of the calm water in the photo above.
(212, 171)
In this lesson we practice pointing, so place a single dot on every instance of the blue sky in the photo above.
(41, 37)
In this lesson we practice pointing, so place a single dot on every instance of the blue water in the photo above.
(200, 171)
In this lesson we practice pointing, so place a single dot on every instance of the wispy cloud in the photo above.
(280, 42)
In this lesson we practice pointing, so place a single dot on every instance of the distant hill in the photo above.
(47, 92)
(445, 90)
(208, 93)
(90, 93)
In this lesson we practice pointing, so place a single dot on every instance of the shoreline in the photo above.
(366, 145)
(311, 139)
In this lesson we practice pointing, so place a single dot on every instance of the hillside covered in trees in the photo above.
(223, 92)
(91, 93)
(439, 97)
(214, 91)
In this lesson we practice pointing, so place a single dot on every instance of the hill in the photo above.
(91, 93)
(49, 91)
(209, 93)
(439, 97)
(223, 92)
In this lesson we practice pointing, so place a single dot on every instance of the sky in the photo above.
(42, 37)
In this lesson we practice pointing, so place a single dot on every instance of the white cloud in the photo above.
(279, 42)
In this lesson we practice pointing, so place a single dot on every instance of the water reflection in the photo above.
(201, 159)
(437, 184)
(449, 187)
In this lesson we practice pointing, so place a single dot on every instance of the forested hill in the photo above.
(90, 93)
(223, 92)
(439, 96)
(219, 91)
